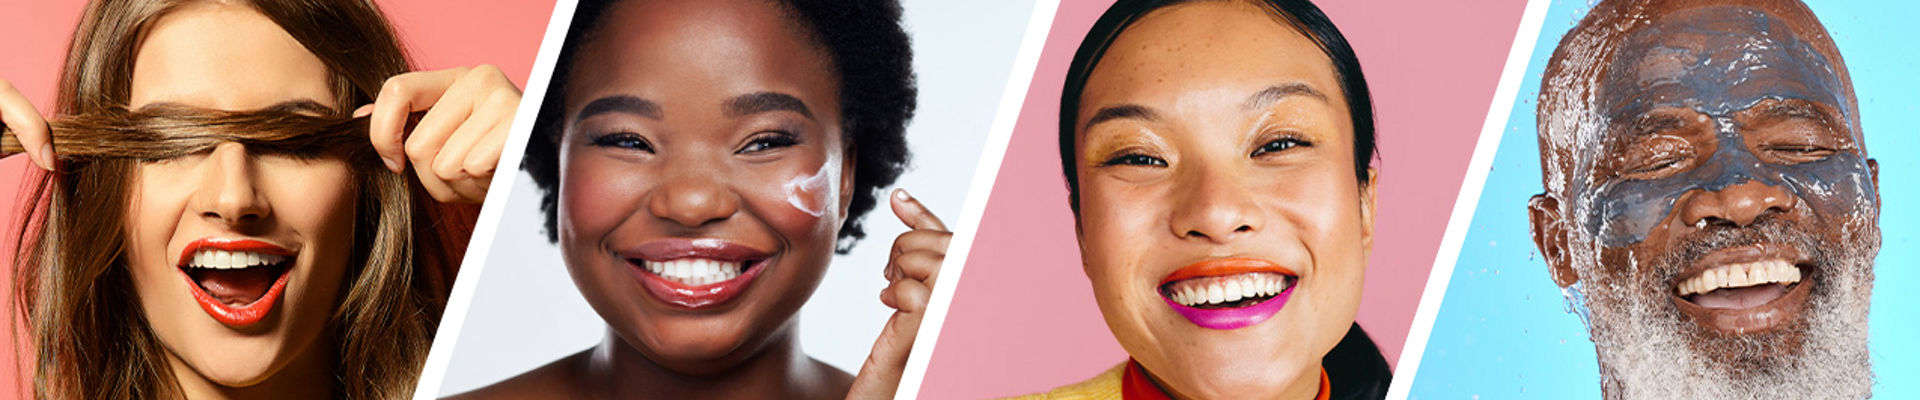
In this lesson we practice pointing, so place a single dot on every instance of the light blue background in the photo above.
(1504, 331)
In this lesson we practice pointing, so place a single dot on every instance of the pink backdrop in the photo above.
(437, 34)
(1023, 318)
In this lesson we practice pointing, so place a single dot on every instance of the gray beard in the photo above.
(1646, 345)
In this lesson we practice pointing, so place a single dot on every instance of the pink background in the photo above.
(1023, 318)
(437, 34)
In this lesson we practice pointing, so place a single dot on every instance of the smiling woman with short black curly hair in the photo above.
(700, 163)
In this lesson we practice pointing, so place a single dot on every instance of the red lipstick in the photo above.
(242, 315)
(694, 274)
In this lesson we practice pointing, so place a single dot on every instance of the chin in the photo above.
(231, 361)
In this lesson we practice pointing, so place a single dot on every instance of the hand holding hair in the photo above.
(24, 127)
(456, 146)
(912, 267)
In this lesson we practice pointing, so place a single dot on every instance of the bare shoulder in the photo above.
(552, 381)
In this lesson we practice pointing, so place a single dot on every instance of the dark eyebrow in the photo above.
(619, 104)
(755, 103)
(1126, 111)
(1276, 93)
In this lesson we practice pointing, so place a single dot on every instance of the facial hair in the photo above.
(1649, 349)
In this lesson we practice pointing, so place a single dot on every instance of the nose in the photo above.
(228, 193)
(1214, 205)
(1735, 206)
(693, 200)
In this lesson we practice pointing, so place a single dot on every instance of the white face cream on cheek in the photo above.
(812, 193)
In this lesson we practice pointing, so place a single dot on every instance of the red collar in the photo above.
(1135, 385)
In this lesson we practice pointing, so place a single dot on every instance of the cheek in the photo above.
(1116, 228)
(155, 211)
(595, 196)
(317, 199)
(1322, 208)
(801, 205)
(811, 194)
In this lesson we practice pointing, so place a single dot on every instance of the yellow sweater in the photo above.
(1103, 386)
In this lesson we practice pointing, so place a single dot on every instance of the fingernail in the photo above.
(902, 194)
(363, 111)
(391, 165)
(46, 156)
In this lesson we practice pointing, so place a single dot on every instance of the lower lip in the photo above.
(690, 297)
(241, 316)
(1232, 318)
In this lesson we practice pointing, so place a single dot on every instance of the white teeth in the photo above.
(222, 259)
(695, 271)
(1226, 290)
(1741, 275)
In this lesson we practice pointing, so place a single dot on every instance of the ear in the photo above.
(1550, 235)
(846, 182)
(1873, 168)
(1369, 201)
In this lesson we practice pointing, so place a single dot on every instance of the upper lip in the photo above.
(1225, 266)
(230, 244)
(707, 248)
(1740, 255)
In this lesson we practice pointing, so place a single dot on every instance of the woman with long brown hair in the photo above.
(229, 210)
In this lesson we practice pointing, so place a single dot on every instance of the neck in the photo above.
(308, 376)
(777, 370)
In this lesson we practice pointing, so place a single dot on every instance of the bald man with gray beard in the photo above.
(1709, 200)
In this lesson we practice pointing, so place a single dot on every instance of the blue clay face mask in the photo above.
(1712, 98)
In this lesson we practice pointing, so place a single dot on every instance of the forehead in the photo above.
(1716, 60)
(727, 47)
(224, 56)
(1231, 47)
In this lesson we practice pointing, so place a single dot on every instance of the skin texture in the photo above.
(232, 58)
(1208, 171)
(1768, 166)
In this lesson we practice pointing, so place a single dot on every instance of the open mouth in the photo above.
(237, 282)
(1745, 289)
(695, 274)
(695, 271)
(1228, 293)
(1231, 291)
(1744, 285)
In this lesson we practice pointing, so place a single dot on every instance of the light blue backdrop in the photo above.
(1504, 330)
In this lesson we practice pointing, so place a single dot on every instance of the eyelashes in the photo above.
(758, 143)
(1281, 144)
(624, 141)
(1134, 159)
(1145, 158)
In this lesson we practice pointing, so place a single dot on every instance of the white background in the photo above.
(526, 312)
